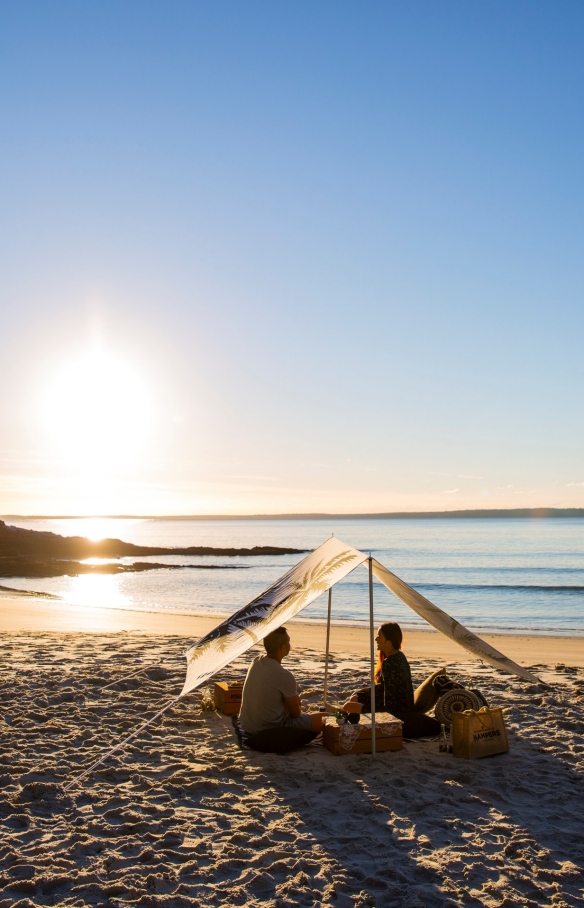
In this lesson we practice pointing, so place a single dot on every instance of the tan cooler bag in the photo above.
(478, 733)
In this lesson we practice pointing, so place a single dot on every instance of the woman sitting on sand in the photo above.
(394, 691)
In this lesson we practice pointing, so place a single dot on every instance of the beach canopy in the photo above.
(300, 586)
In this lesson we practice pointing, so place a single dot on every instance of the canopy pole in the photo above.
(372, 645)
(328, 640)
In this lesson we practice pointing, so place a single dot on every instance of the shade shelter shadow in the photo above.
(422, 828)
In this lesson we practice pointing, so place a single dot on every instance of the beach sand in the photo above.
(183, 817)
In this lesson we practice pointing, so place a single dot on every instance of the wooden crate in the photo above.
(388, 735)
(227, 697)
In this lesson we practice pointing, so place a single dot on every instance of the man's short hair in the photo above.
(275, 639)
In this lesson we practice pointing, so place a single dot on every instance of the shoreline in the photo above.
(9, 594)
(26, 616)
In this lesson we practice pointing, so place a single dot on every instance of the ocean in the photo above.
(508, 575)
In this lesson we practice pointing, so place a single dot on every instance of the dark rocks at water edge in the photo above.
(25, 566)
(31, 594)
(16, 541)
(31, 553)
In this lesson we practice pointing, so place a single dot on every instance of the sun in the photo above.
(98, 412)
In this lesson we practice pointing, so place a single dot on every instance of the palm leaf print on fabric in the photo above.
(254, 615)
(300, 586)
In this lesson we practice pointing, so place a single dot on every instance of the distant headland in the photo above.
(473, 514)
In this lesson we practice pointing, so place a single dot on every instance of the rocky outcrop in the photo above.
(31, 553)
(16, 541)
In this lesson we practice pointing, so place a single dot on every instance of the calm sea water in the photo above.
(496, 575)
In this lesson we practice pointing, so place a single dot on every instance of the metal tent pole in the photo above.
(372, 644)
(328, 640)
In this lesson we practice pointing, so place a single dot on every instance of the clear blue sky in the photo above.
(265, 257)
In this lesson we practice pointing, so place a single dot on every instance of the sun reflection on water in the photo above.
(98, 561)
(94, 528)
(97, 591)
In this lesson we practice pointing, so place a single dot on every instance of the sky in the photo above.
(293, 257)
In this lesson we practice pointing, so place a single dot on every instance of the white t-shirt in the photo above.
(266, 687)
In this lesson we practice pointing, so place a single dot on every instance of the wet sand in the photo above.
(23, 614)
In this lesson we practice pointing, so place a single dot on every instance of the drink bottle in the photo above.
(443, 745)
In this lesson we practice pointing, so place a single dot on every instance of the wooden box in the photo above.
(227, 697)
(356, 739)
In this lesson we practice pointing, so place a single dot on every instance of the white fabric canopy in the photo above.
(304, 583)
(300, 586)
(447, 625)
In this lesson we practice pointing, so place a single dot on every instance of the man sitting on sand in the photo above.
(270, 698)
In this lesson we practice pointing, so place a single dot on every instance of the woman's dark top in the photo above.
(395, 695)
(396, 684)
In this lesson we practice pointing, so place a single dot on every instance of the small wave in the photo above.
(532, 587)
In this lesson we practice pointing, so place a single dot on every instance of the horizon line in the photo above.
(470, 513)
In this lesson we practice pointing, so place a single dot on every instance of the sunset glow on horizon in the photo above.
(294, 260)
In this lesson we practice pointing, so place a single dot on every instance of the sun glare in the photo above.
(96, 591)
(98, 412)
(94, 528)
